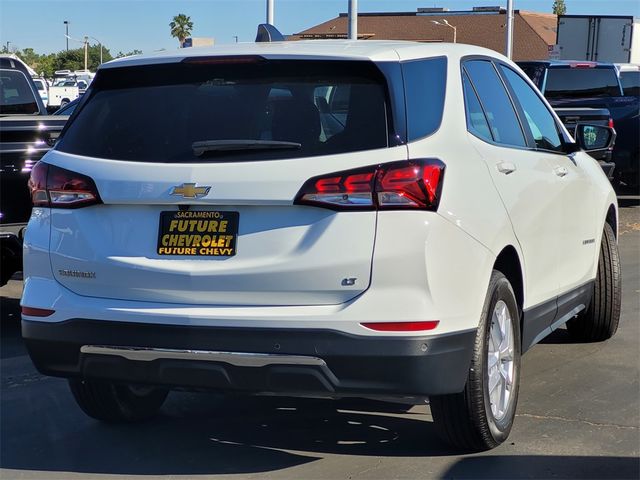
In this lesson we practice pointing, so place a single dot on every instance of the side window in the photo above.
(630, 83)
(16, 96)
(541, 122)
(425, 82)
(499, 111)
(476, 121)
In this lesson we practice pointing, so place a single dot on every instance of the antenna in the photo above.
(268, 33)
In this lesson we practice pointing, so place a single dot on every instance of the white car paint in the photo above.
(410, 266)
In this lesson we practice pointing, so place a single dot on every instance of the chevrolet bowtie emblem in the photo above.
(189, 190)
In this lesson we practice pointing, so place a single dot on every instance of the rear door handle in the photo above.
(506, 167)
(561, 171)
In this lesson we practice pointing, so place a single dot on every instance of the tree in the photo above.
(128, 54)
(29, 56)
(66, 60)
(559, 7)
(181, 27)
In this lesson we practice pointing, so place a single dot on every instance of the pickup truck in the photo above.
(26, 134)
(581, 85)
(572, 117)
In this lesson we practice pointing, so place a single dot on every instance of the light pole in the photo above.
(66, 24)
(86, 51)
(509, 49)
(99, 43)
(447, 24)
(353, 20)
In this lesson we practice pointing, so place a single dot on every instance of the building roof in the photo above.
(533, 32)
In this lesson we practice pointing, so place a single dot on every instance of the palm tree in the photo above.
(181, 27)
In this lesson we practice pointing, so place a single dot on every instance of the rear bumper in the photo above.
(287, 361)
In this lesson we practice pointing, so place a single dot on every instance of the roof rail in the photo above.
(268, 33)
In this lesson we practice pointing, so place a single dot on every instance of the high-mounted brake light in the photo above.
(583, 65)
(410, 184)
(57, 187)
(401, 326)
(224, 60)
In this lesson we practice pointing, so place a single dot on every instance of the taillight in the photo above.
(57, 187)
(407, 184)
(610, 122)
(38, 185)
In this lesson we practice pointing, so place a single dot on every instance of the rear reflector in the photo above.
(407, 184)
(37, 312)
(401, 326)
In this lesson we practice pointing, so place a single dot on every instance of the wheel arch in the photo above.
(612, 219)
(509, 264)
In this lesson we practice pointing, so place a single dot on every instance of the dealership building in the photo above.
(534, 33)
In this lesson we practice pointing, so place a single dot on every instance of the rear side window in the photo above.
(16, 96)
(581, 83)
(476, 120)
(425, 82)
(156, 113)
(630, 83)
(502, 119)
(541, 123)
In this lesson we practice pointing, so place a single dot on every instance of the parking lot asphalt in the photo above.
(578, 417)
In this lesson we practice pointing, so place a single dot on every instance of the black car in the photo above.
(26, 134)
(580, 84)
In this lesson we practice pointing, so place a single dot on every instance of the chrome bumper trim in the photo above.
(238, 359)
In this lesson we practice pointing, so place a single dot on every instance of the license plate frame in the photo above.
(198, 233)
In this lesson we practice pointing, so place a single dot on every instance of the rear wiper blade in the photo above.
(202, 147)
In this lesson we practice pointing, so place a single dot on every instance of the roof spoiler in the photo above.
(268, 33)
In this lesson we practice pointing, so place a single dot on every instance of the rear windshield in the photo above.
(16, 96)
(534, 71)
(156, 113)
(581, 83)
(630, 83)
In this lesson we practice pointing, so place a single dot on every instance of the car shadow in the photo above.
(208, 434)
(11, 344)
(557, 337)
(498, 467)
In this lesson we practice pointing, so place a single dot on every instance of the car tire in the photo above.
(117, 403)
(601, 318)
(63, 102)
(476, 419)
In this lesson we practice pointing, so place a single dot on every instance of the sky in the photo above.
(144, 24)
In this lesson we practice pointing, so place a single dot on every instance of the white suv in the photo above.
(322, 218)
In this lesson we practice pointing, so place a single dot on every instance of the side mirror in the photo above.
(595, 138)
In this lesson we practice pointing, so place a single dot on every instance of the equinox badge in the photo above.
(189, 190)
